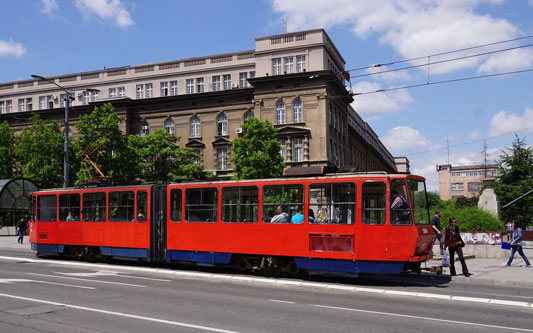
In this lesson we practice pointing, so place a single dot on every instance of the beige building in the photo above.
(463, 181)
(293, 80)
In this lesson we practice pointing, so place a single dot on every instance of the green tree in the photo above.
(7, 146)
(469, 219)
(161, 159)
(515, 171)
(39, 150)
(433, 201)
(115, 157)
(256, 154)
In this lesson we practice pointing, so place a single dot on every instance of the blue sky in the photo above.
(53, 37)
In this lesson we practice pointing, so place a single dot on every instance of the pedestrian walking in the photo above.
(455, 243)
(437, 234)
(516, 245)
(21, 227)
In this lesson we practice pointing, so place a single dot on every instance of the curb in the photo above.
(284, 282)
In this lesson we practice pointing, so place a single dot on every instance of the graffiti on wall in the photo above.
(486, 238)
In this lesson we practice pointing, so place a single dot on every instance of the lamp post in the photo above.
(67, 129)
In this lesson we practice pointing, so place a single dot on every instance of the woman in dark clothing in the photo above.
(455, 244)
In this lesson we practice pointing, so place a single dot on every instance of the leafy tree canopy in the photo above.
(115, 157)
(7, 146)
(162, 160)
(515, 172)
(257, 153)
(39, 150)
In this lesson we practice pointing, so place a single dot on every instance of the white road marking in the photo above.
(273, 281)
(280, 301)
(121, 314)
(88, 280)
(110, 273)
(45, 282)
(447, 321)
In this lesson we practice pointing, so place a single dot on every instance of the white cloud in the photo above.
(113, 10)
(50, 6)
(475, 134)
(8, 48)
(509, 61)
(379, 103)
(413, 28)
(401, 140)
(505, 122)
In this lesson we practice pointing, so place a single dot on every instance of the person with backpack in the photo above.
(516, 245)
(21, 226)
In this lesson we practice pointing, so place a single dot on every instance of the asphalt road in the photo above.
(63, 296)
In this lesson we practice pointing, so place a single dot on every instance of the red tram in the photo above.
(336, 224)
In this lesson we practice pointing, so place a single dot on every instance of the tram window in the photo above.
(201, 204)
(400, 210)
(417, 191)
(46, 208)
(121, 206)
(240, 204)
(332, 203)
(69, 207)
(94, 207)
(142, 204)
(175, 205)
(373, 203)
(290, 199)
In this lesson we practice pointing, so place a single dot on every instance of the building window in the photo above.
(149, 90)
(457, 187)
(200, 85)
(86, 96)
(276, 66)
(121, 91)
(63, 98)
(227, 81)
(474, 187)
(297, 150)
(140, 91)
(189, 86)
(216, 83)
(29, 104)
(289, 65)
(21, 105)
(252, 75)
(195, 127)
(222, 125)
(173, 88)
(112, 92)
(145, 129)
(42, 102)
(280, 113)
(164, 89)
(248, 115)
(169, 126)
(222, 159)
(243, 80)
(298, 111)
(283, 148)
(9, 106)
(198, 159)
(50, 101)
(2, 107)
(95, 96)
(300, 63)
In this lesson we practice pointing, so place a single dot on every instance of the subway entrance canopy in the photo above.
(15, 199)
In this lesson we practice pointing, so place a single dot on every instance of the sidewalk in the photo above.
(485, 271)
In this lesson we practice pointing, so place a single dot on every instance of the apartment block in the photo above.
(463, 181)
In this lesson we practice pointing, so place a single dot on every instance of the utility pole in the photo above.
(448, 148)
(284, 25)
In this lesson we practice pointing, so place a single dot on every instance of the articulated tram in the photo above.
(333, 224)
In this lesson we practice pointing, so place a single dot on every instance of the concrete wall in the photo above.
(8, 231)
(491, 251)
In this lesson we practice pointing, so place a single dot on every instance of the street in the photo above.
(54, 295)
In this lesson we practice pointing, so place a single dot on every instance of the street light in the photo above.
(67, 129)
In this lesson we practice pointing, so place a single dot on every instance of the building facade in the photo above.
(463, 181)
(293, 80)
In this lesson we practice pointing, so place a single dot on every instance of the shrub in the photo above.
(469, 219)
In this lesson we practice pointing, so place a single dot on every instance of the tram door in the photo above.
(158, 227)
